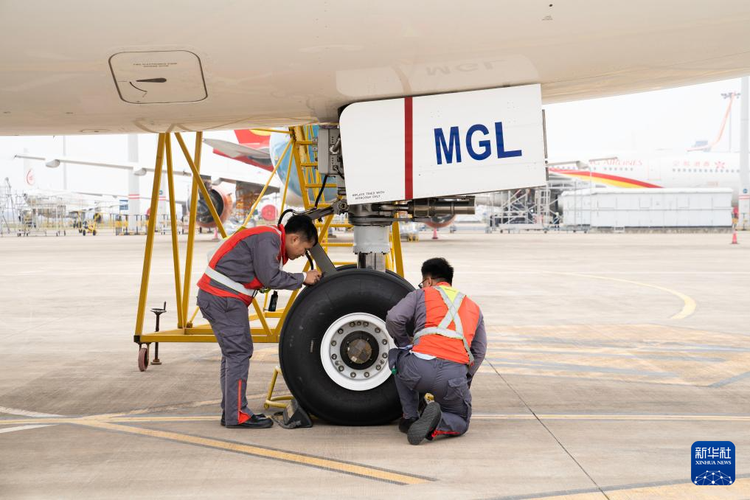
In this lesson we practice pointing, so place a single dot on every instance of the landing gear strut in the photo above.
(334, 343)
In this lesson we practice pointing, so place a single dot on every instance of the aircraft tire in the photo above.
(347, 267)
(344, 313)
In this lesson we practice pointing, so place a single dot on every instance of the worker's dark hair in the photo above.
(303, 226)
(438, 269)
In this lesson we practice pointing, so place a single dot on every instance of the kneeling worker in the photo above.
(441, 356)
(248, 261)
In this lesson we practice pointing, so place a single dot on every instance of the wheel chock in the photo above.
(293, 417)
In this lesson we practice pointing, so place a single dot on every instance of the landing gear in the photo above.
(334, 348)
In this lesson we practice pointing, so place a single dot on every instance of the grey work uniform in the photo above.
(448, 381)
(254, 258)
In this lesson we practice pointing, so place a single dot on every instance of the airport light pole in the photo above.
(587, 166)
(744, 195)
(134, 187)
(65, 165)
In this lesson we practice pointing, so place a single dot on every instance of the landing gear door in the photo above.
(443, 145)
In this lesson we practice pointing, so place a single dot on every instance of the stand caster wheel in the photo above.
(143, 358)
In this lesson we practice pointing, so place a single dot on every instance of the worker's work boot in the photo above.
(425, 425)
(405, 423)
(257, 421)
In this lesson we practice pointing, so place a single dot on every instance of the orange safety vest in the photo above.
(243, 291)
(450, 326)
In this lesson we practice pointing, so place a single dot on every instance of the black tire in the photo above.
(347, 267)
(311, 314)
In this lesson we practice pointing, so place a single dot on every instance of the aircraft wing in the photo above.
(241, 152)
(55, 162)
(213, 176)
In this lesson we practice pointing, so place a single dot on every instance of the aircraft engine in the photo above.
(221, 199)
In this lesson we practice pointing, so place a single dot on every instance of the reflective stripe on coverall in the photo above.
(252, 258)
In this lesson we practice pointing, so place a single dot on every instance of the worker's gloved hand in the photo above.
(312, 277)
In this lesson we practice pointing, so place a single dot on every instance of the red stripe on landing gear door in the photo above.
(408, 172)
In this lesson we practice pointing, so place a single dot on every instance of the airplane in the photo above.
(95, 68)
(232, 191)
(265, 150)
(698, 166)
(690, 170)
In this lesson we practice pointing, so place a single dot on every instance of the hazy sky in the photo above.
(668, 119)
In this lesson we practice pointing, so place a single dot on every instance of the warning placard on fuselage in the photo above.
(443, 145)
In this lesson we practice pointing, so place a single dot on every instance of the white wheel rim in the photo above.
(344, 374)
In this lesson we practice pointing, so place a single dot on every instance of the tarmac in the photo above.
(609, 356)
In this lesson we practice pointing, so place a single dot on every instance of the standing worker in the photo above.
(440, 356)
(250, 260)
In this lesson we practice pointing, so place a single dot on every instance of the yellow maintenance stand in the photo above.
(266, 325)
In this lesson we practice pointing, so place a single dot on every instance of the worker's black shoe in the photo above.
(426, 424)
(259, 415)
(255, 422)
(405, 423)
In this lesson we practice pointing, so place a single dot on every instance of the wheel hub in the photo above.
(354, 351)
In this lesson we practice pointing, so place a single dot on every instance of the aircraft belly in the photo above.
(75, 71)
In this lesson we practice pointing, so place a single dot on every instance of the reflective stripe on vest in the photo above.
(450, 317)
(229, 282)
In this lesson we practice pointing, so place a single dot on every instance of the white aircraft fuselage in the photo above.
(80, 67)
(688, 170)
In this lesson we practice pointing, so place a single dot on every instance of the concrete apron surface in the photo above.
(609, 355)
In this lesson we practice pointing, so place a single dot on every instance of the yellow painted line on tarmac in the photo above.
(179, 418)
(194, 404)
(155, 409)
(257, 451)
(688, 307)
(27, 421)
(666, 418)
(740, 489)
(100, 418)
(6, 430)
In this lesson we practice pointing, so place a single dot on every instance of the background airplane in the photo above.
(232, 190)
(698, 166)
